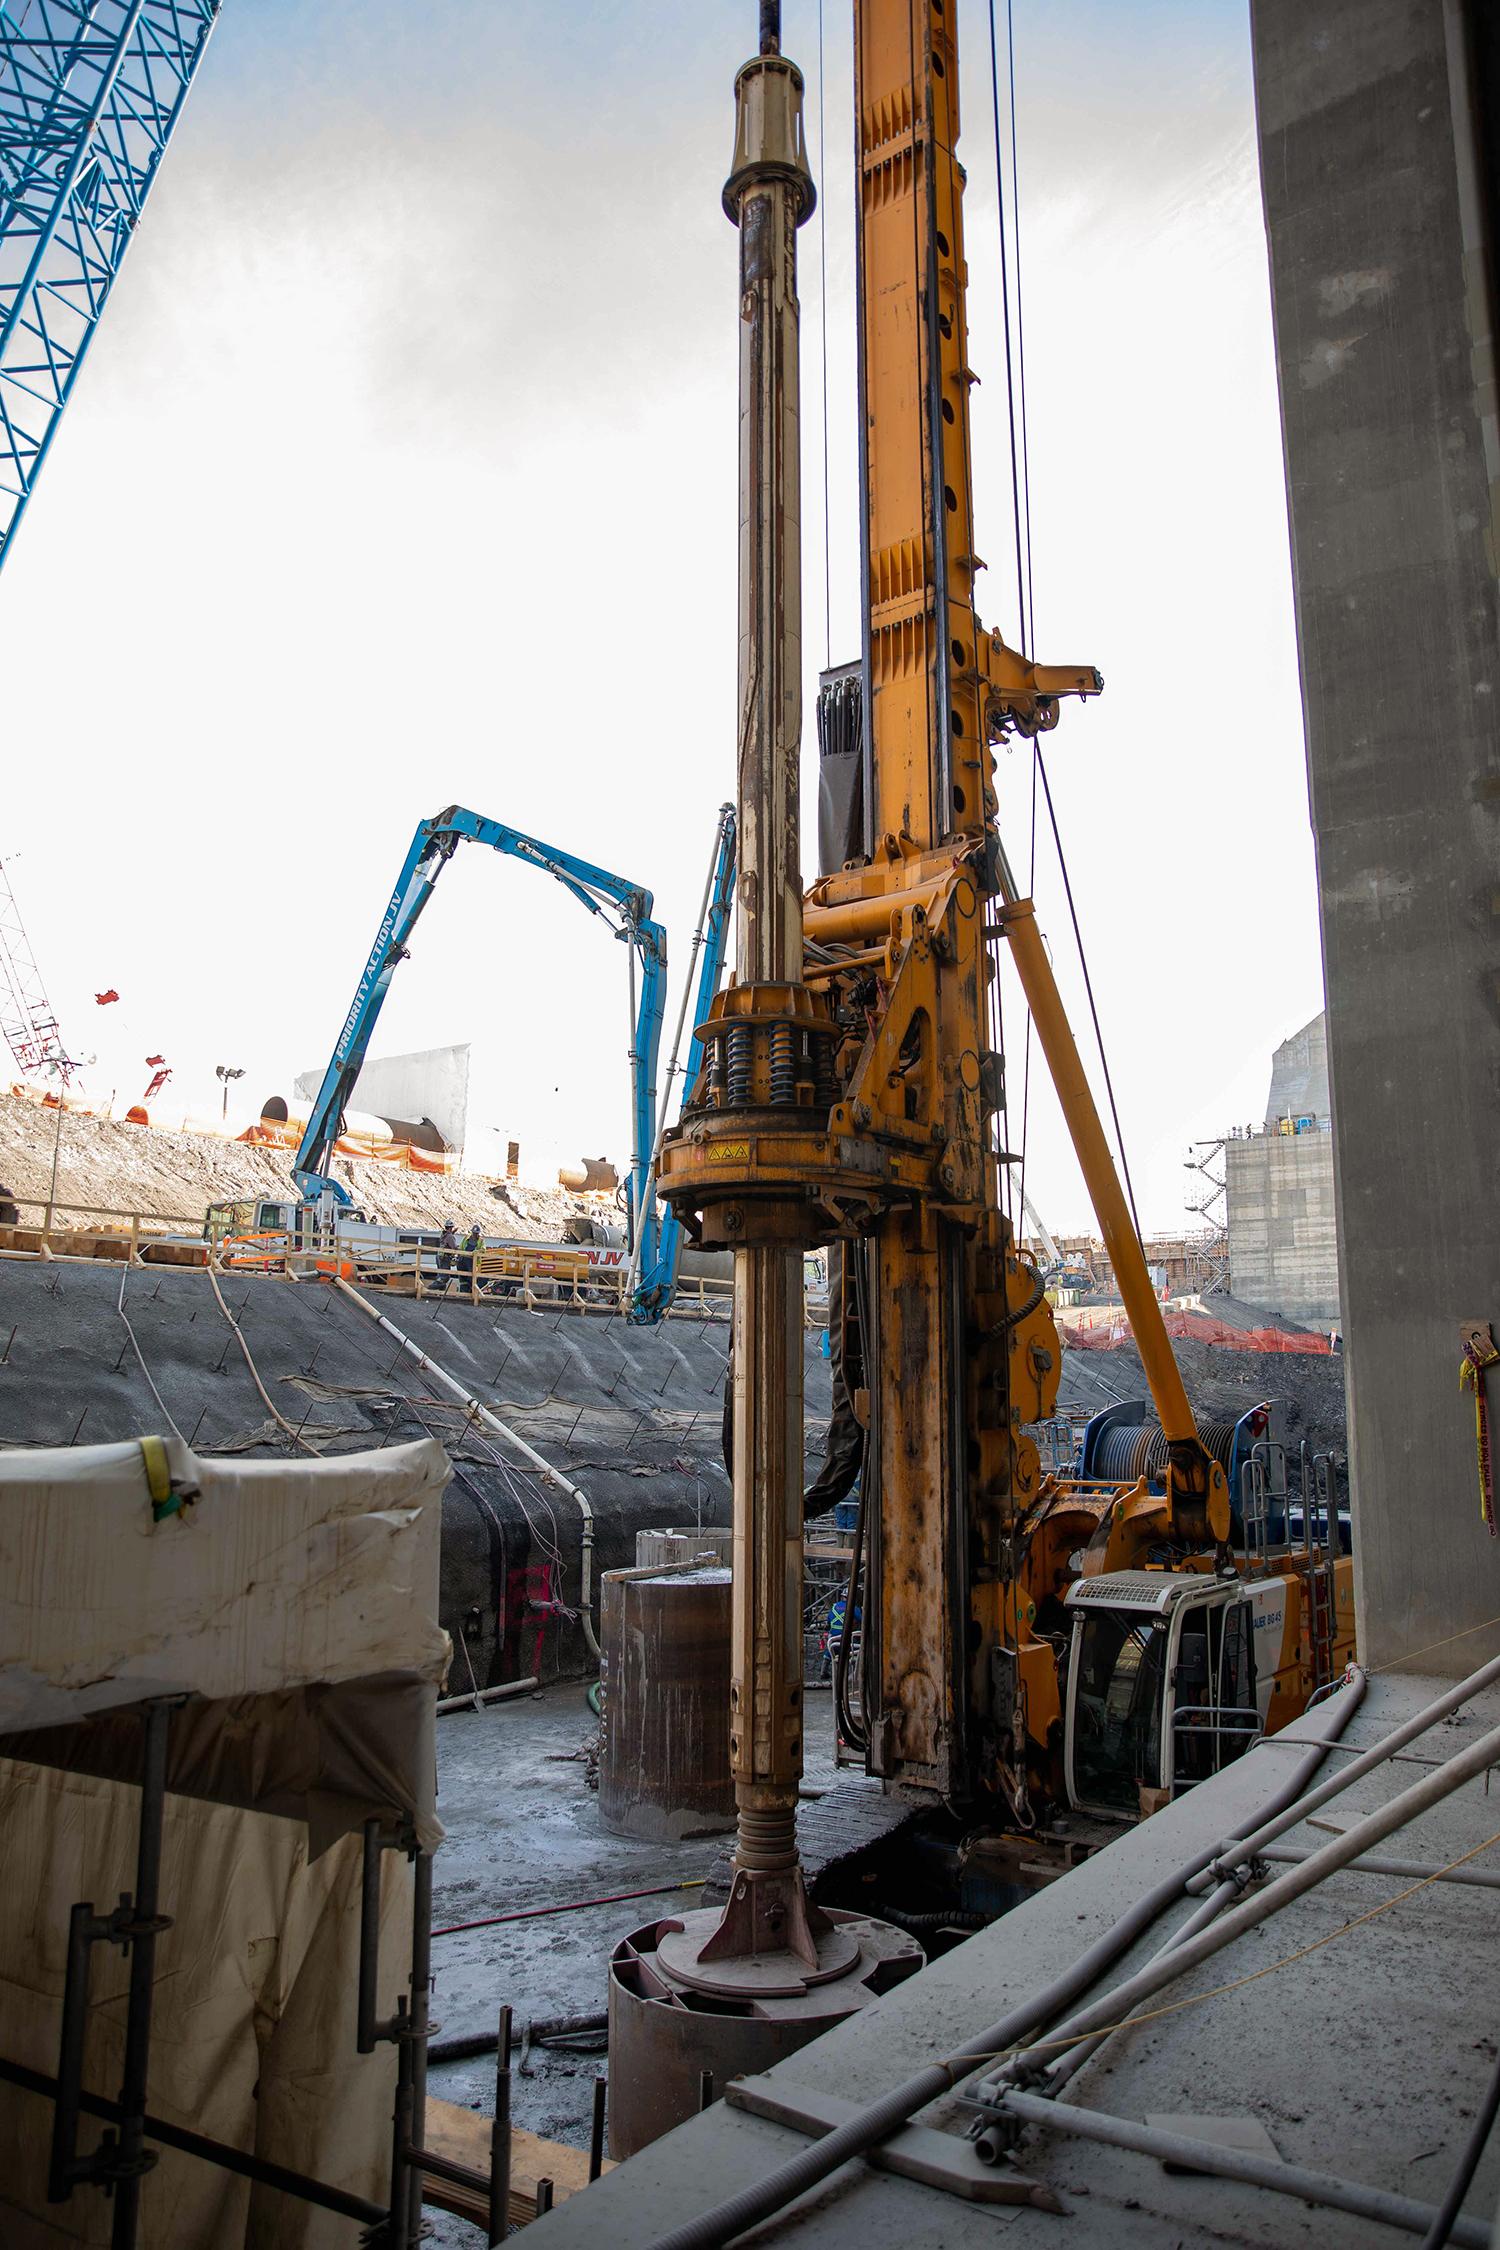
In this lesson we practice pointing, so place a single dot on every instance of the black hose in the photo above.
(1468, 2164)
(542, 2033)
(917, 1923)
(812, 2165)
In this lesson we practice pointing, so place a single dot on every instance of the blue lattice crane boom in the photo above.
(90, 91)
(625, 906)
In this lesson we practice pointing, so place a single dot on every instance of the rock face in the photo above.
(105, 1165)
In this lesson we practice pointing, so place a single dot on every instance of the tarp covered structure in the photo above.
(294, 1604)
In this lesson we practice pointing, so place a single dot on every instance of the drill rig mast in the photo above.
(859, 1100)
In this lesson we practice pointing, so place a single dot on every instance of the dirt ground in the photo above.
(523, 1831)
(105, 1165)
(1222, 1383)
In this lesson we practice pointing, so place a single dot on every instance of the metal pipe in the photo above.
(477, 1698)
(1061, 2069)
(1446, 2221)
(84, 1927)
(445, 2168)
(1175, 1961)
(810, 2166)
(1415, 1870)
(493, 1422)
(543, 2196)
(596, 2128)
(543, 2031)
(1233, 1852)
(1376, 2205)
(398, 2219)
(132, 2158)
(499, 2216)
(419, 2019)
(209, 2151)
(768, 195)
(370, 2030)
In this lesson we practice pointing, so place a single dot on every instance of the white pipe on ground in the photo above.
(476, 1698)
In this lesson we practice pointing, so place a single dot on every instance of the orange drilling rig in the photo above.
(1030, 1641)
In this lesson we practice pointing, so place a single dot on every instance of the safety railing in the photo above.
(549, 1276)
(1209, 1736)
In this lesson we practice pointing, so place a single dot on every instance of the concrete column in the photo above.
(1376, 216)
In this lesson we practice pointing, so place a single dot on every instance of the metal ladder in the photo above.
(1320, 1512)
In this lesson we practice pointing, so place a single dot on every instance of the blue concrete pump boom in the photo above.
(652, 1288)
(603, 894)
(627, 907)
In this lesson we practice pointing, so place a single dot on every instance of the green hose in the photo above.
(592, 1692)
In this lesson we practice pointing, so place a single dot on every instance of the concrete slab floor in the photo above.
(1365, 2058)
(522, 1831)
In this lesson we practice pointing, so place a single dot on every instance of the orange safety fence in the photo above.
(1104, 1334)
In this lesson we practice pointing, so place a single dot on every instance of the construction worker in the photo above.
(447, 1244)
(473, 1243)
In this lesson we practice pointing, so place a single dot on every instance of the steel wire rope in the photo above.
(1021, 501)
(141, 1357)
(1020, 517)
(266, 1400)
(823, 309)
(550, 1549)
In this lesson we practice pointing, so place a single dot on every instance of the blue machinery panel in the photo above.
(89, 93)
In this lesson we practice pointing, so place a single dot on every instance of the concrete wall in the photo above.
(433, 1082)
(1375, 219)
(1283, 1239)
(1299, 1075)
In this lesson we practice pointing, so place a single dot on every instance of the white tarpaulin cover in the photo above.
(295, 1604)
(294, 1601)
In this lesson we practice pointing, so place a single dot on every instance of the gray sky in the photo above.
(402, 473)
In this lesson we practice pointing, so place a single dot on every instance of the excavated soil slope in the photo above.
(108, 1166)
(1221, 1383)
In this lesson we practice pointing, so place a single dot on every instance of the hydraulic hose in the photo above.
(1175, 1961)
(1235, 1851)
(493, 1422)
(1059, 2069)
(812, 2165)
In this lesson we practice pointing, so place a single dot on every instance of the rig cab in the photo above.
(1170, 1677)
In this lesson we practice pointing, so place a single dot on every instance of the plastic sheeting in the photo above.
(294, 1604)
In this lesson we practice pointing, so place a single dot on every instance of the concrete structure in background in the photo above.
(1379, 129)
(1299, 1077)
(1278, 1184)
(430, 1086)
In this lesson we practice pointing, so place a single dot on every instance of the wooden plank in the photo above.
(463, 2136)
